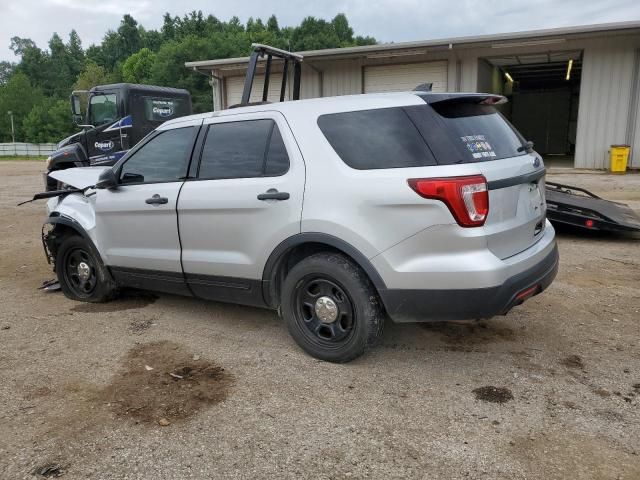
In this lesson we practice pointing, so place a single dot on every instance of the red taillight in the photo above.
(466, 197)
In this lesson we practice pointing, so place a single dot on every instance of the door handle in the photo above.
(273, 194)
(156, 200)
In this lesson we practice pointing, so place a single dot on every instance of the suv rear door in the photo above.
(246, 199)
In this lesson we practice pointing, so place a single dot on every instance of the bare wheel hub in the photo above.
(326, 310)
(84, 271)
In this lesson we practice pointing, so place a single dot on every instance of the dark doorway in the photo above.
(543, 91)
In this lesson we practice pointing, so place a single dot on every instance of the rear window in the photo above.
(374, 139)
(473, 132)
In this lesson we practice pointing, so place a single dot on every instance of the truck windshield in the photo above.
(103, 109)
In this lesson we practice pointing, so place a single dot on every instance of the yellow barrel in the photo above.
(619, 156)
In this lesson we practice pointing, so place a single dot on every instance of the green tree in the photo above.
(58, 69)
(129, 37)
(343, 31)
(137, 68)
(19, 97)
(49, 121)
(151, 39)
(91, 76)
(43, 78)
(6, 70)
(168, 69)
(272, 25)
(75, 54)
(32, 60)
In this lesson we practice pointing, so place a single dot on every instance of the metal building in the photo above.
(573, 91)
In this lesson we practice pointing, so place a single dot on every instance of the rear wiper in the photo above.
(527, 147)
(56, 193)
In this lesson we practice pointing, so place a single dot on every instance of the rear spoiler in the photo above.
(452, 98)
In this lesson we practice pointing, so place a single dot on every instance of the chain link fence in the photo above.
(26, 149)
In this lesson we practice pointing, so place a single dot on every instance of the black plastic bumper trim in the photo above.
(405, 306)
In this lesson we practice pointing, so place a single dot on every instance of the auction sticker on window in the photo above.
(478, 146)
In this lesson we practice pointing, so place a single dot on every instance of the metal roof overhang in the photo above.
(497, 41)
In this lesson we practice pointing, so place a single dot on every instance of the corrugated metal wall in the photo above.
(403, 77)
(606, 93)
(633, 129)
(341, 78)
(605, 96)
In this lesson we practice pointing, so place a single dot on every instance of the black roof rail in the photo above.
(259, 51)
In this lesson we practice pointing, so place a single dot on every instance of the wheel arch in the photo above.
(299, 246)
(62, 226)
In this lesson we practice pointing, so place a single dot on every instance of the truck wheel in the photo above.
(81, 273)
(331, 308)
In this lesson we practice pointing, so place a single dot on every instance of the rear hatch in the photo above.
(468, 130)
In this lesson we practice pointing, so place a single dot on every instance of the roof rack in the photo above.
(259, 51)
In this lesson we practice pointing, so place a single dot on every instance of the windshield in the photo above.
(103, 109)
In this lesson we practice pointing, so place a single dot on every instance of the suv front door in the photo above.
(137, 222)
(246, 199)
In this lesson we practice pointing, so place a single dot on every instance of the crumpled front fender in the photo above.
(77, 212)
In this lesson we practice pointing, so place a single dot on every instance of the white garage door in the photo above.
(403, 78)
(235, 85)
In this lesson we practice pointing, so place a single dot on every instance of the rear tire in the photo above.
(331, 308)
(81, 273)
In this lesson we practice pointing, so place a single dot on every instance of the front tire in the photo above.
(81, 273)
(331, 308)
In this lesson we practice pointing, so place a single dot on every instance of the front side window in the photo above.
(164, 158)
(103, 109)
(245, 149)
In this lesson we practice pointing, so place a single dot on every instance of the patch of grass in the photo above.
(19, 158)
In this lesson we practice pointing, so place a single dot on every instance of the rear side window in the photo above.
(463, 132)
(245, 149)
(374, 139)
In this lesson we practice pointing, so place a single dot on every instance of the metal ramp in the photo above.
(579, 207)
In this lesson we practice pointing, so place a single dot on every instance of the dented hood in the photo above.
(79, 177)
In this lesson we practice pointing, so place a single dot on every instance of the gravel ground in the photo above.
(165, 387)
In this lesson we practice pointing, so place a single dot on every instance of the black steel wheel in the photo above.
(81, 273)
(331, 308)
(324, 311)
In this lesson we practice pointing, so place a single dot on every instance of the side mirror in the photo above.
(107, 179)
(76, 109)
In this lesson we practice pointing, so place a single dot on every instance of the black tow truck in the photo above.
(117, 117)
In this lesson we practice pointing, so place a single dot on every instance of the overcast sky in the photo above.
(386, 20)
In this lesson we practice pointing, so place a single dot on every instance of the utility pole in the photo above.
(13, 132)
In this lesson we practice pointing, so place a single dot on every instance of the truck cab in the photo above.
(117, 117)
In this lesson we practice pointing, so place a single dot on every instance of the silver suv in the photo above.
(337, 212)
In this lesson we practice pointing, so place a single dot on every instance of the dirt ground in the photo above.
(164, 387)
